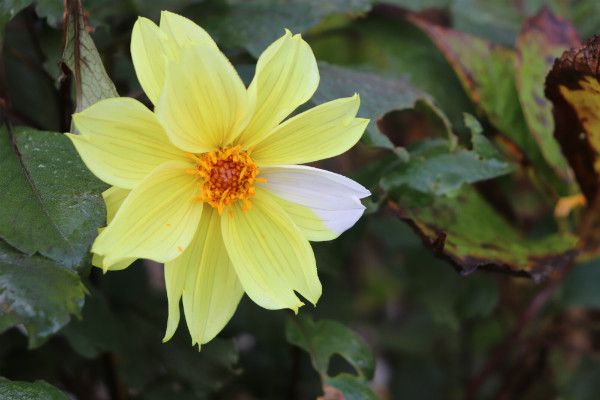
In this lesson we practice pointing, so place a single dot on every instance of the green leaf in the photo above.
(51, 10)
(350, 387)
(395, 48)
(544, 37)
(254, 24)
(322, 339)
(487, 72)
(378, 96)
(133, 333)
(496, 20)
(33, 95)
(51, 203)
(38, 390)
(437, 169)
(8, 9)
(500, 21)
(420, 5)
(81, 57)
(467, 231)
(488, 75)
(481, 145)
(582, 382)
(580, 288)
(37, 293)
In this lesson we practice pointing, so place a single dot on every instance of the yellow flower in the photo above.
(208, 182)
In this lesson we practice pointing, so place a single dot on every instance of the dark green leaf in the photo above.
(580, 288)
(351, 388)
(583, 382)
(51, 203)
(254, 24)
(37, 293)
(378, 97)
(31, 90)
(51, 10)
(420, 5)
(395, 48)
(39, 390)
(134, 334)
(8, 9)
(322, 339)
(500, 21)
(437, 169)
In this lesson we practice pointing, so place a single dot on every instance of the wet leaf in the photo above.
(37, 293)
(322, 339)
(81, 57)
(38, 390)
(54, 204)
(436, 168)
(254, 24)
(544, 37)
(379, 96)
(466, 230)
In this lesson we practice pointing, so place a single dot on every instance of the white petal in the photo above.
(321, 203)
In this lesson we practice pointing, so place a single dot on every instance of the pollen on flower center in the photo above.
(227, 175)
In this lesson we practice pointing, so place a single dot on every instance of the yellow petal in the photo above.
(157, 220)
(286, 77)
(321, 204)
(204, 275)
(113, 198)
(182, 31)
(121, 141)
(269, 254)
(204, 102)
(98, 261)
(321, 132)
(149, 52)
(153, 47)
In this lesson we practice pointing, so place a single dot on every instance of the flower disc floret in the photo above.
(227, 175)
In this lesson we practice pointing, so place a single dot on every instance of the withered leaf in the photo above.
(467, 231)
(573, 87)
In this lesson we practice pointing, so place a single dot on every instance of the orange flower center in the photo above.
(228, 175)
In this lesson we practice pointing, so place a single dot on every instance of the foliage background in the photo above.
(395, 321)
